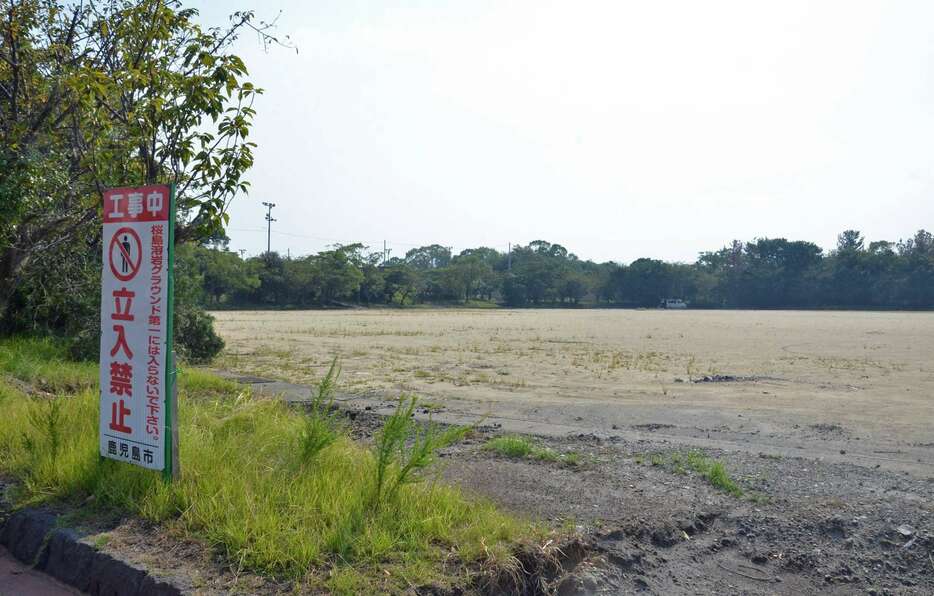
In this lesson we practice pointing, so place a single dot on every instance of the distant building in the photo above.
(672, 303)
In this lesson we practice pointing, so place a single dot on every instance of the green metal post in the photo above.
(170, 432)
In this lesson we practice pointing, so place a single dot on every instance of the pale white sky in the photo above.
(618, 129)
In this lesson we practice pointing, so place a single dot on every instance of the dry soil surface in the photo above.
(853, 387)
(823, 419)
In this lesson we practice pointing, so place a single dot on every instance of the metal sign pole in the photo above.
(171, 471)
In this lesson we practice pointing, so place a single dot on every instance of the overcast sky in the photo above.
(618, 129)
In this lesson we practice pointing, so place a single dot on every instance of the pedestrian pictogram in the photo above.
(126, 253)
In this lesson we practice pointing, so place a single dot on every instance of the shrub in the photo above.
(195, 338)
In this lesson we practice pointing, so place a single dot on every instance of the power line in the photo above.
(386, 243)
(338, 240)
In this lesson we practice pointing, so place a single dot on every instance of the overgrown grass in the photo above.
(704, 466)
(248, 486)
(44, 364)
(518, 447)
(404, 448)
(198, 383)
(322, 426)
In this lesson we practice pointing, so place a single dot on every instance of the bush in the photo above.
(195, 338)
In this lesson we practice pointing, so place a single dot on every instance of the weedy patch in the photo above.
(711, 470)
(101, 541)
(43, 364)
(518, 447)
(197, 384)
(278, 492)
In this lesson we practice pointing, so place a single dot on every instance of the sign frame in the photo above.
(132, 340)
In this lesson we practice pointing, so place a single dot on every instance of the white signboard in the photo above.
(134, 325)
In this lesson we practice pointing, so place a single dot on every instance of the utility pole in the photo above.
(384, 253)
(241, 251)
(269, 220)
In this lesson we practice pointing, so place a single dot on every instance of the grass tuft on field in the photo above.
(255, 484)
(704, 466)
(518, 447)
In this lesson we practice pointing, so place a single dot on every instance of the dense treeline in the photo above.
(763, 273)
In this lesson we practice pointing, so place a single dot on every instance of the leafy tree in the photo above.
(488, 256)
(850, 242)
(604, 281)
(336, 275)
(400, 282)
(102, 94)
(466, 274)
(299, 282)
(225, 275)
(434, 256)
(645, 282)
(916, 275)
(573, 286)
(273, 284)
(372, 287)
(726, 266)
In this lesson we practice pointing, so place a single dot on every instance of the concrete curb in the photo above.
(34, 537)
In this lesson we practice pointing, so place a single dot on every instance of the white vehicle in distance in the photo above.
(673, 303)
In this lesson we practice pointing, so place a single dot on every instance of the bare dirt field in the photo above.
(777, 381)
(824, 420)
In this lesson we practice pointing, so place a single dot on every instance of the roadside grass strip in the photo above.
(275, 491)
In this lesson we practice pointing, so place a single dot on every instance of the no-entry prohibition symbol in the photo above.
(123, 245)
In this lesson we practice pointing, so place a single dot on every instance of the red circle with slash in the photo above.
(132, 265)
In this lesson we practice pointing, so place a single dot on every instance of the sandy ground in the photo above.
(853, 387)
